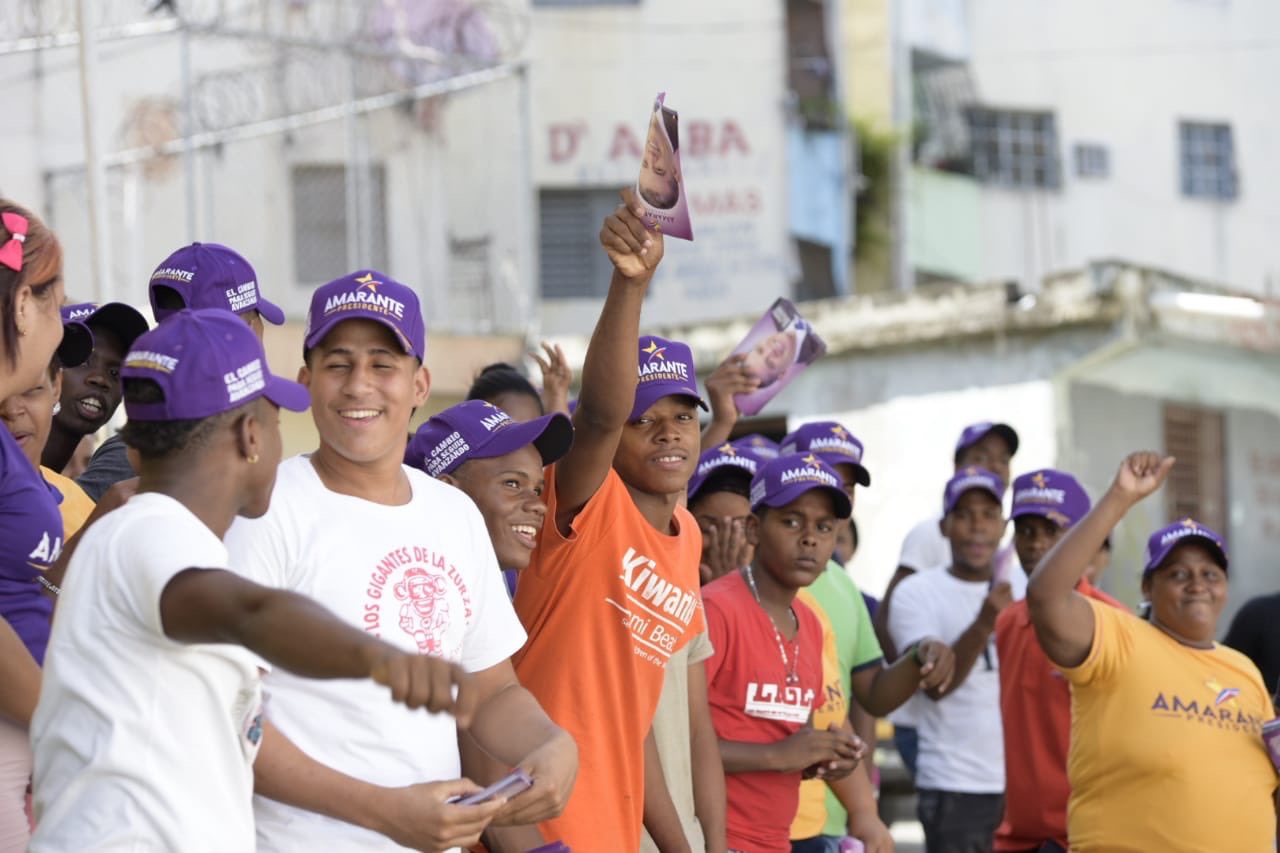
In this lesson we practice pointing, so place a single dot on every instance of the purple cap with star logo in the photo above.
(1164, 540)
(666, 370)
(780, 481)
(368, 295)
(727, 457)
(1050, 494)
(967, 480)
(833, 443)
(479, 430)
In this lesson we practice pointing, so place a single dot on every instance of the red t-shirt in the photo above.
(605, 608)
(1035, 704)
(751, 702)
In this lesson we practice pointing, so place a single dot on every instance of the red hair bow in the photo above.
(11, 252)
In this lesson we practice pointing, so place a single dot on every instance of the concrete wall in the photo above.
(722, 63)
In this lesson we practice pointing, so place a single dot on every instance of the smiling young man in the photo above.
(960, 768)
(408, 559)
(91, 391)
(612, 590)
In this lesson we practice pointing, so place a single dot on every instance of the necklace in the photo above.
(790, 666)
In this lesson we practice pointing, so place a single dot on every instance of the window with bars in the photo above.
(1092, 160)
(320, 222)
(1014, 148)
(572, 264)
(1197, 486)
(1208, 161)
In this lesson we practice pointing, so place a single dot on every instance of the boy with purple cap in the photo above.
(765, 678)
(1166, 725)
(854, 663)
(612, 590)
(156, 619)
(210, 275)
(91, 389)
(960, 767)
(720, 500)
(406, 558)
(1035, 701)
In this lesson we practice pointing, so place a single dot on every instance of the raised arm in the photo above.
(728, 379)
(296, 634)
(609, 372)
(557, 376)
(975, 642)
(1062, 617)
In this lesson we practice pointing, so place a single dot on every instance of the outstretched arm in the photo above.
(609, 372)
(1062, 617)
(728, 379)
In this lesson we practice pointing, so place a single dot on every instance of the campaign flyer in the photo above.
(777, 349)
(661, 182)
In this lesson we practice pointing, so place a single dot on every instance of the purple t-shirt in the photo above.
(30, 542)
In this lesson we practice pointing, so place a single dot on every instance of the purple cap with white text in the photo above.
(1164, 540)
(368, 295)
(1050, 494)
(727, 457)
(206, 362)
(967, 480)
(974, 433)
(760, 445)
(480, 430)
(831, 441)
(666, 370)
(210, 275)
(780, 481)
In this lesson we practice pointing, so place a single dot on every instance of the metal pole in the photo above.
(528, 279)
(351, 171)
(95, 172)
(188, 130)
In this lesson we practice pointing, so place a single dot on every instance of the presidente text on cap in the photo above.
(831, 441)
(368, 295)
(967, 480)
(760, 445)
(206, 362)
(666, 370)
(125, 320)
(480, 430)
(974, 433)
(1164, 540)
(780, 481)
(1050, 494)
(726, 457)
(210, 275)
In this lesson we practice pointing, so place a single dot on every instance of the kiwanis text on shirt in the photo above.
(656, 611)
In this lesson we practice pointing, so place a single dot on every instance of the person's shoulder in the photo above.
(807, 614)
(1013, 617)
(724, 591)
(838, 577)
(922, 581)
(1237, 660)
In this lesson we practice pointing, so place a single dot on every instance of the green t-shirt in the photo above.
(856, 646)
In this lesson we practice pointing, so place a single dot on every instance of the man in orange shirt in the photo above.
(1035, 700)
(611, 592)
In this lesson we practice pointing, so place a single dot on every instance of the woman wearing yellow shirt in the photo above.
(1166, 750)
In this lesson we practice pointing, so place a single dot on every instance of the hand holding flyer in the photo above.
(661, 182)
(776, 350)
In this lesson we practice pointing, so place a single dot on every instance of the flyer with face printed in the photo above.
(661, 182)
(777, 350)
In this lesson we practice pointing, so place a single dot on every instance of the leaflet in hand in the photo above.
(777, 349)
(660, 186)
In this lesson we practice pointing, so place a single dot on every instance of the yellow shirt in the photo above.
(75, 506)
(812, 814)
(1166, 746)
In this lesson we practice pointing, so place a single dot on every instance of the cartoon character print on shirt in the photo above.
(415, 596)
(656, 611)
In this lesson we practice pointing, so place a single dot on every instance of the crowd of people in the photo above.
(543, 623)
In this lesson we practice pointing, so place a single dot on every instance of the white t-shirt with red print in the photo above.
(421, 576)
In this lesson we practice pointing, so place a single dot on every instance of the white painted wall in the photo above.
(595, 72)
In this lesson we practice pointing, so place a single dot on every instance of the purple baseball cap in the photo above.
(761, 445)
(479, 430)
(974, 433)
(967, 480)
(125, 320)
(368, 295)
(1050, 494)
(1164, 540)
(666, 370)
(782, 480)
(831, 441)
(206, 362)
(727, 457)
(210, 275)
(77, 343)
